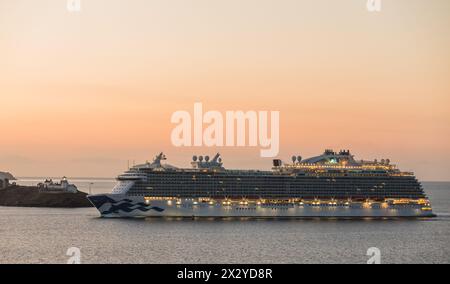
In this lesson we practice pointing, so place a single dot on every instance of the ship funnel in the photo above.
(216, 158)
(277, 163)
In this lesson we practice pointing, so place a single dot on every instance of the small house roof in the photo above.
(5, 175)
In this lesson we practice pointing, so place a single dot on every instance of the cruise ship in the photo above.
(331, 185)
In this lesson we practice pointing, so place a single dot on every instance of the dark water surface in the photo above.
(31, 235)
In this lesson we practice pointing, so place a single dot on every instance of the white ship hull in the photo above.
(123, 206)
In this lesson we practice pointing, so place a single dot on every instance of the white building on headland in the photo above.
(62, 186)
(5, 178)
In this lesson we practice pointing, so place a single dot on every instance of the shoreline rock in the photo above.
(28, 196)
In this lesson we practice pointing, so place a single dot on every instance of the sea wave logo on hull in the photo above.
(121, 206)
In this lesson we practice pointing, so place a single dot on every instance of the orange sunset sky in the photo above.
(82, 93)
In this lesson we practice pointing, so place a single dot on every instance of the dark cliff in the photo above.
(24, 196)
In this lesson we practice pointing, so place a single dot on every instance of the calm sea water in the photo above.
(31, 235)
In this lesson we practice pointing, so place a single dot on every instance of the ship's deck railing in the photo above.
(339, 167)
(280, 172)
(299, 201)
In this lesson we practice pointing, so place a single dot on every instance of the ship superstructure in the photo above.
(333, 184)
